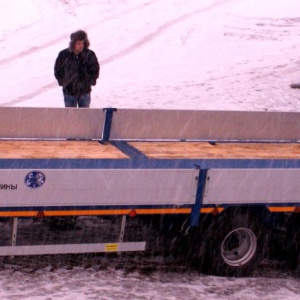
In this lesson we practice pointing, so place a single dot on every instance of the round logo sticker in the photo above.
(35, 179)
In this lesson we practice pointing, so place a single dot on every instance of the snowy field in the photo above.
(172, 54)
(208, 54)
(90, 283)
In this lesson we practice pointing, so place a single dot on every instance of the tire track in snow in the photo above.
(148, 38)
(144, 40)
(66, 35)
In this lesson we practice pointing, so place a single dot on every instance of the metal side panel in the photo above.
(240, 186)
(27, 188)
(71, 248)
(51, 123)
(130, 124)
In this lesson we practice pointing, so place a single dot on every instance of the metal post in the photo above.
(107, 124)
(195, 214)
(122, 232)
(14, 231)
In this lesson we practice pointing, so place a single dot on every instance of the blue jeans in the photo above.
(81, 101)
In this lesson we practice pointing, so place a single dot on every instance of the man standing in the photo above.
(76, 70)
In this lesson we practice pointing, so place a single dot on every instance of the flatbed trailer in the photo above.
(237, 167)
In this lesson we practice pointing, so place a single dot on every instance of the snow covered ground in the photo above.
(174, 54)
(80, 283)
(209, 54)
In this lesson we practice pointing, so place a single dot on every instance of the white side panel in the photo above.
(51, 123)
(142, 124)
(224, 186)
(99, 187)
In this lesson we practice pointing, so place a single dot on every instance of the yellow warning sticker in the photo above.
(111, 247)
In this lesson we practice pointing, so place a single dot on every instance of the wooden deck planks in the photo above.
(199, 150)
(168, 150)
(58, 149)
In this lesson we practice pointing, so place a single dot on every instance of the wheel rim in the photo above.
(239, 247)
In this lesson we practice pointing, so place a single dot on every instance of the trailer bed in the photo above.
(156, 150)
(58, 149)
(201, 150)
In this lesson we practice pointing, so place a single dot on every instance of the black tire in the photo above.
(233, 245)
(292, 242)
(296, 262)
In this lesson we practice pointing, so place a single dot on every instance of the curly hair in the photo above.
(79, 35)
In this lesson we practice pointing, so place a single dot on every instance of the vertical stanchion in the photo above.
(122, 232)
(107, 124)
(195, 214)
(14, 231)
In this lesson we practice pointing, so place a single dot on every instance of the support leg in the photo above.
(14, 231)
(122, 232)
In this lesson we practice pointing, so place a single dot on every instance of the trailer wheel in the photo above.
(239, 247)
(233, 247)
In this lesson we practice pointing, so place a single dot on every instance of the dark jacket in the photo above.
(76, 73)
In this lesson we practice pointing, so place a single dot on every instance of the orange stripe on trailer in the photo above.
(220, 209)
(211, 210)
(18, 213)
(206, 210)
(154, 211)
(282, 209)
(86, 212)
(131, 212)
(40, 214)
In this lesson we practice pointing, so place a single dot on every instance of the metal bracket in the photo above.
(107, 124)
(195, 214)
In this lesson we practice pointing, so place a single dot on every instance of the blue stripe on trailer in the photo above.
(129, 150)
(94, 207)
(107, 124)
(195, 214)
(149, 163)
